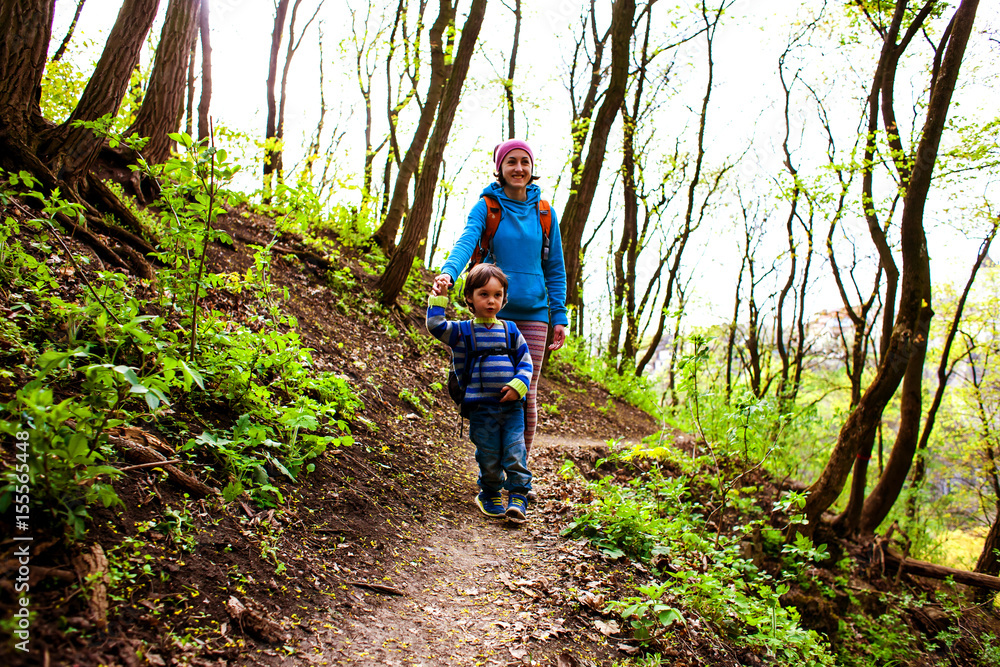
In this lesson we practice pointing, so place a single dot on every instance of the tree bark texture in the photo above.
(418, 222)
(989, 562)
(577, 209)
(385, 235)
(163, 105)
(70, 151)
(189, 115)
(25, 31)
(909, 334)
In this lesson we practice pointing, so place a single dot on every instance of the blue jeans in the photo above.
(497, 431)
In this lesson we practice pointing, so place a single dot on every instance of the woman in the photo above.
(537, 291)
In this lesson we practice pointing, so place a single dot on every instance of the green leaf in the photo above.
(232, 491)
(193, 374)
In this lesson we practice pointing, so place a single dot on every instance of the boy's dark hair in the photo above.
(481, 274)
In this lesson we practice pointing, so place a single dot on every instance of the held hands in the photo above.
(441, 285)
(509, 394)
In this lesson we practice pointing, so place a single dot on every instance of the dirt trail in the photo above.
(476, 591)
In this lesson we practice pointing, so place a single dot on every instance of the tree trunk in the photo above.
(189, 116)
(415, 230)
(509, 84)
(70, 151)
(25, 30)
(989, 561)
(205, 102)
(625, 257)
(278, 154)
(691, 221)
(161, 109)
(281, 9)
(577, 209)
(924, 569)
(909, 335)
(944, 373)
(385, 235)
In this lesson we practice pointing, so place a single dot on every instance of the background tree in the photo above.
(205, 102)
(418, 221)
(407, 78)
(271, 127)
(511, 67)
(366, 41)
(577, 209)
(441, 71)
(163, 104)
(61, 51)
(907, 343)
(702, 187)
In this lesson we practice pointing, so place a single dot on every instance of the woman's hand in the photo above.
(442, 284)
(558, 336)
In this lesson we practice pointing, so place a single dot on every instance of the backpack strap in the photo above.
(468, 333)
(493, 214)
(545, 220)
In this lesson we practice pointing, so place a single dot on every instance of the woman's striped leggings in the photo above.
(535, 334)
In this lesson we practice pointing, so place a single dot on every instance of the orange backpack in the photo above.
(493, 214)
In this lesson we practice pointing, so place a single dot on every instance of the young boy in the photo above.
(499, 375)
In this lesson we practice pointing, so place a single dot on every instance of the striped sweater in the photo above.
(490, 373)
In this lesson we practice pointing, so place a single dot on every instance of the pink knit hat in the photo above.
(500, 152)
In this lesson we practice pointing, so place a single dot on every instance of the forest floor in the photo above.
(379, 557)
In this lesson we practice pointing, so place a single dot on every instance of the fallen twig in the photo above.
(378, 588)
(151, 464)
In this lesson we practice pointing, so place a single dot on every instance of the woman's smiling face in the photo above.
(516, 168)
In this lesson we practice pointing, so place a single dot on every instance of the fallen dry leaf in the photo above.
(518, 653)
(607, 629)
(592, 600)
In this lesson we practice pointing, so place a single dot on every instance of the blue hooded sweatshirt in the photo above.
(537, 290)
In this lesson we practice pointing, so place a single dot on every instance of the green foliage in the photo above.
(127, 357)
(886, 640)
(648, 616)
(59, 449)
(627, 386)
(989, 650)
(657, 520)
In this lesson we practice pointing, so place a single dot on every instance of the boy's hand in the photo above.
(509, 394)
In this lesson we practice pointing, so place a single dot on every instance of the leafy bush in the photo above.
(654, 519)
(628, 387)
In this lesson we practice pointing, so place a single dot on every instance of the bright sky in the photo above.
(745, 113)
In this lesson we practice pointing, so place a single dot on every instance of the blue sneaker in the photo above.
(517, 508)
(491, 504)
